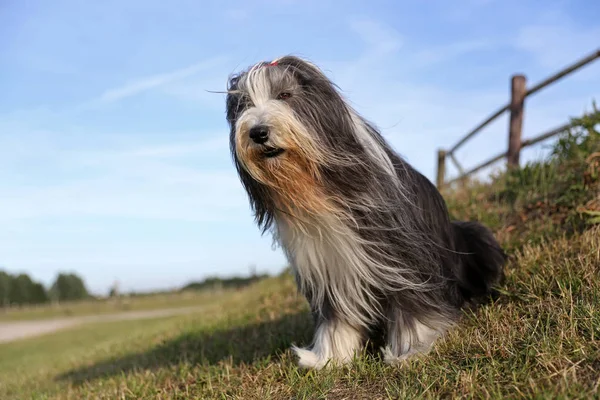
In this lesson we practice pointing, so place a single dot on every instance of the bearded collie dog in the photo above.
(369, 238)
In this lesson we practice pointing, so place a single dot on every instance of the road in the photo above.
(11, 331)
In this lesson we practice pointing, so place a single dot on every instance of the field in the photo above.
(105, 306)
(539, 339)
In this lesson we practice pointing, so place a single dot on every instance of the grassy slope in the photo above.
(540, 340)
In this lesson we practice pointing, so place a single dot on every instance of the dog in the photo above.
(369, 239)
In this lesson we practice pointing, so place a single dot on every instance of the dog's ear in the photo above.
(232, 101)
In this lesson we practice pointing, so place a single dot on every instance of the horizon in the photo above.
(114, 159)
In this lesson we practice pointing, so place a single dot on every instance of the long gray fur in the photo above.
(415, 268)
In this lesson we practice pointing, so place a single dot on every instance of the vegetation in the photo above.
(105, 306)
(21, 290)
(74, 300)
(68, 287)
(543, 200)
(539, 339)
(235, 282)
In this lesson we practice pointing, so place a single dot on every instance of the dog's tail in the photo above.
(482, 260)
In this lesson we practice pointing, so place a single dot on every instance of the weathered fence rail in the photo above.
(516, 107)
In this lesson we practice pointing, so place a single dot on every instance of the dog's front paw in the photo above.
(312, 360)
(308, 358)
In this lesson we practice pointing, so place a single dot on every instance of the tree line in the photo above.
(235, 282)
(20, 289)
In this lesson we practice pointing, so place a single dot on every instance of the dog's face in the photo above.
(281, 116)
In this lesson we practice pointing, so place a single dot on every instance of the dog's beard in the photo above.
(289, 163)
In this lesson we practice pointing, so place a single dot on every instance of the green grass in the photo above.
(539, 339)
(106, 306)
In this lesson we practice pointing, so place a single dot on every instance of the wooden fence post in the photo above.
(517, 102)
(441, 168)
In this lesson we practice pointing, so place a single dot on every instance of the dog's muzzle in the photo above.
(259, 134)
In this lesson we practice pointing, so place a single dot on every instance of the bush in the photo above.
(542, 199)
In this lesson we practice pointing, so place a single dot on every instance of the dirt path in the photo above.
(11, 331)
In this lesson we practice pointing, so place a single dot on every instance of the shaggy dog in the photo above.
(368, 237)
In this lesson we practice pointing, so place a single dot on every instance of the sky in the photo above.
(114, 159)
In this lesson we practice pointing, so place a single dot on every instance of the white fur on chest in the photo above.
(330, 261)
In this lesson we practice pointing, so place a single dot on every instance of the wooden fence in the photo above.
(519, 93)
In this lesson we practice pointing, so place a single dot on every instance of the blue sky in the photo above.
(113, 156)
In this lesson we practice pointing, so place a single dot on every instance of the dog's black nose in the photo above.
(259, 134)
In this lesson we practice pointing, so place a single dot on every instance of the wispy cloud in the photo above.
(379, 43)
(436, 54)
(200, 90)
(379, 38)
(553, 45)
(418, 117)
(129, 181)
(216, 144)
(138, 86)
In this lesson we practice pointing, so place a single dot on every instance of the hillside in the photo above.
(539, 339)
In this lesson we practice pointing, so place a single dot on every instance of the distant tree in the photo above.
(68, 287)
(235, 282)
(21, 288)
(5, 280)
(38, 294)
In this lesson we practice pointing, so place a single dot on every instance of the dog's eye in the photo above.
(284, 96)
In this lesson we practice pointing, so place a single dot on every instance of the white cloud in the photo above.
(218, 143)
(555, 45)
(146, 181)
(143, 84)
(436, 54)
(378, 37)
(186, 196)
(198, 91)
(380, 43)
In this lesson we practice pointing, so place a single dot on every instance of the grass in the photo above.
(105, 306)
(540, 339)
